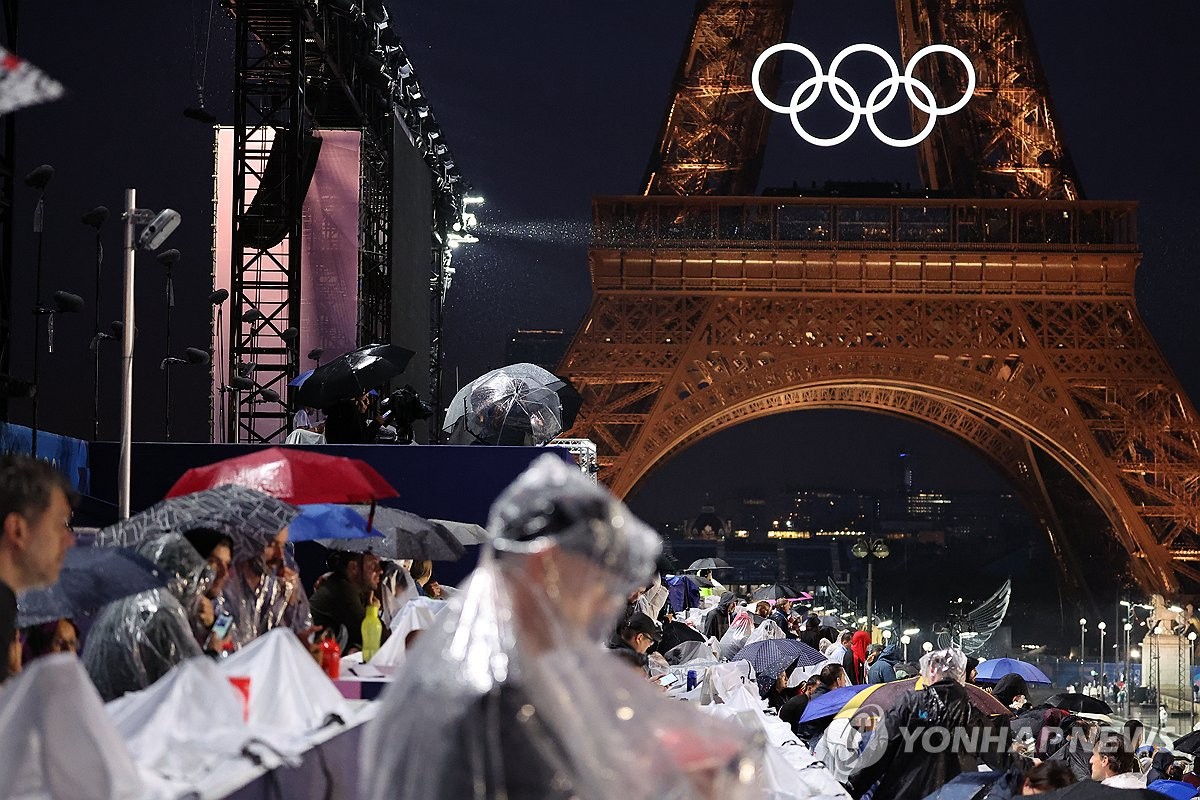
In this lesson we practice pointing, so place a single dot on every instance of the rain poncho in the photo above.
(136, 640)
(272, 603)
(738, 634)
(511, 695)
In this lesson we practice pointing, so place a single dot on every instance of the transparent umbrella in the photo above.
(517, 404)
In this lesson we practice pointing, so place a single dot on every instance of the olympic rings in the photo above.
(809, 91)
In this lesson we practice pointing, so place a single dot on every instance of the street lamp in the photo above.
(1128, 654)
(1082, 644)
(1191, 649)
(870, 550)
(1102, 626)
(905, 640)
(927, 647)
(1154, 659)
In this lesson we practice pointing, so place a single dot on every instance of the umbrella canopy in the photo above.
(708, 563)
(879, 698)
(293, 475)
(465, 532)
(1075, 701)
(676, 633)
(571, 401)
(1188, 744)
(90, 578)
(352, 374)
(699, 581)
(994, 669)
(773, 592)
(405, 535)
(830, 703)
(301, 378)
(771, 657)
(329, 521)
(517, 404)
(234, 510)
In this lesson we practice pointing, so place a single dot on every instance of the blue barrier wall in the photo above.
(69, 455)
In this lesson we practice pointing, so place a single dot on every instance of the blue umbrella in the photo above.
(771, 657)
(994, 669)
(90, 578)
(328, 521)
(830, 703)
(301, 378)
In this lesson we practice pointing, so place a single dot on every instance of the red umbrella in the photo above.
(292, 475)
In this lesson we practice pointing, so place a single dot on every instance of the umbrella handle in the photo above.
(371, 518)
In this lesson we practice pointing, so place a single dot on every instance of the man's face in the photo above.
(273, 552)
(44, 539)
(642, 642)
(65, 640)
(370, 572)
(219, 560)
(1099, 766)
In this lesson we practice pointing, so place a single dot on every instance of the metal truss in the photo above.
(715, 129)
(1006, 142)
(270, 50)
(1022, 335)
(301, 66)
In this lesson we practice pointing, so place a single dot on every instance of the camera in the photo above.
(158, 229)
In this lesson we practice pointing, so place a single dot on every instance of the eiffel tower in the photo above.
(1000, 308)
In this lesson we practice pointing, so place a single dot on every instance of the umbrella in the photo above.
(91, 577)
(571, 401)
(830, 703)
(708, 563)
(234, 510)
(881, 697)
(465, 532)
(405, 535)
(770, 657)
(1188, 744)
(994, 669)
(329, 521)
(293, 475)
(699, 581)
(301, 378)
(773, 592)
(352, 374)
(511, 405)
(1074, 701)
(676, 633)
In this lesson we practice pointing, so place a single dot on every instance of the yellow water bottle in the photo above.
(372, 629)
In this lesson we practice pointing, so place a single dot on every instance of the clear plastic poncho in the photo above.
(511, 695)
(138, 639)
(268, 604)
(736, 636)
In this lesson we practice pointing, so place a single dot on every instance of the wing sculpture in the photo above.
(972, 630)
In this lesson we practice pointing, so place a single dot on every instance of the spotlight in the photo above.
(159, 228)
(200, 115)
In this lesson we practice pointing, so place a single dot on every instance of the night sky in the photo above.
(546, 105)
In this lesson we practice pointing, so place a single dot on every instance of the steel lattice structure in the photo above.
(301, 66)
(715, 130)
(1008, 323)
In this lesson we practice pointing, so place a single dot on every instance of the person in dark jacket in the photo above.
(884, 668)
(897, 764)
(717, 620)
(811, 633)
(793, 709)
(1012, 691)
(832, 676)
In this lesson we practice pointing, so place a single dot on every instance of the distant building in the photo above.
(708, 525)
(541, 347)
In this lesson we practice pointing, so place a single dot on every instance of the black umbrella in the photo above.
(405, 535)
(352, 374)
(773, 592)
(1188, 744)
(571, 401)
(90, 578)
(675, 634)
(1074, 701)
(709, 564)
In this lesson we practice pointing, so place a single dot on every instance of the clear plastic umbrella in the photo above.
(517, 404)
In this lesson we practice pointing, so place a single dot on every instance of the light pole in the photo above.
(1191, 649)
(927, 647)
(1154, 658)
(1102, 626)
(1128, 688)
(1082, 644)
(870, 550)
(905, 640)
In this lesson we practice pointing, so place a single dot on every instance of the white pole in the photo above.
(127, 363)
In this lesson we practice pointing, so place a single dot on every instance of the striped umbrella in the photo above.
(771, 657)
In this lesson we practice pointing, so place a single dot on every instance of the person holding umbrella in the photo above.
(897, 769)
